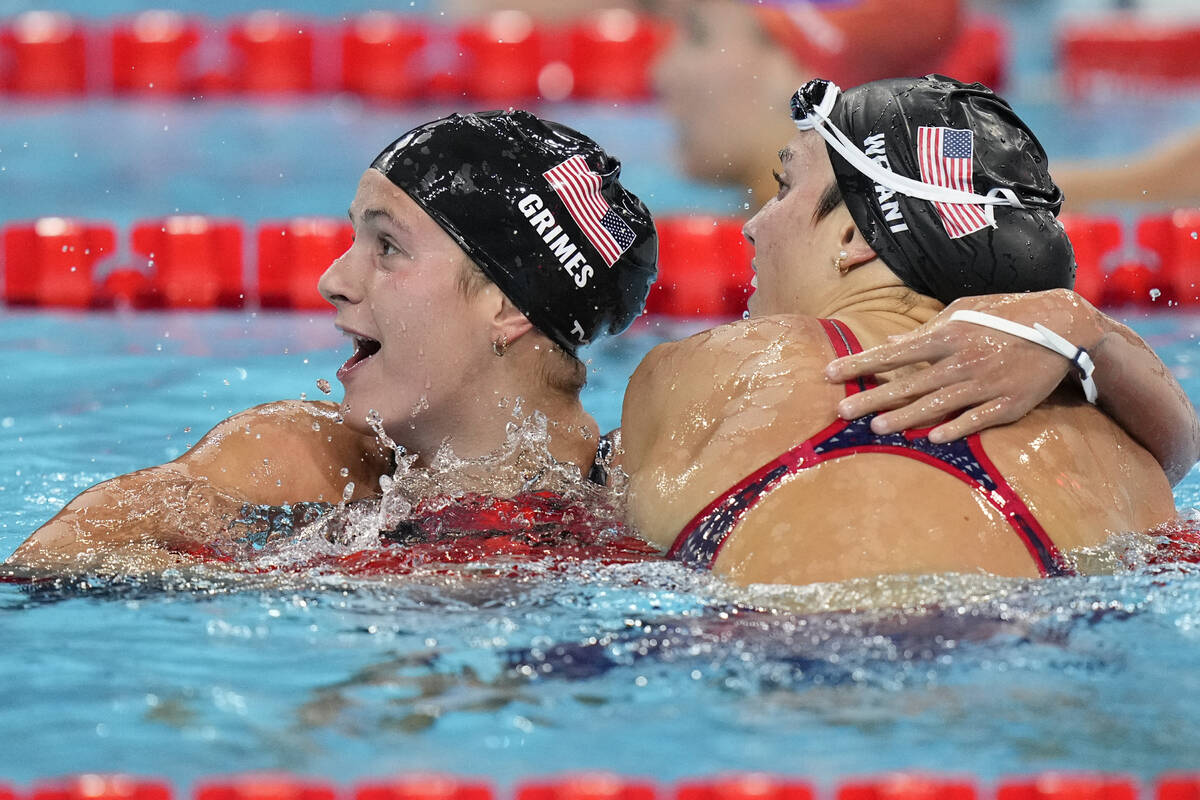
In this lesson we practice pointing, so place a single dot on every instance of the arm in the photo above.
(1168, 174)
(160, 517)
(993, 378)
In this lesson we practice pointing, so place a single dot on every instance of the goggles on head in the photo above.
(811, 106)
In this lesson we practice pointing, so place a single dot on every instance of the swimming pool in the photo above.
(645, 669)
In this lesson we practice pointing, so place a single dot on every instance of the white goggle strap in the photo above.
(1039, 334)
(818, 120)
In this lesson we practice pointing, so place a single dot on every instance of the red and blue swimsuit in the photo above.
(700, 542)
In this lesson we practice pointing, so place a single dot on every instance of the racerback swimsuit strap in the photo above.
(700, 542)
(604, 450)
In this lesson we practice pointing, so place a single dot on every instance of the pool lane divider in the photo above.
(503, 57)
(204, 263)
(605, 786)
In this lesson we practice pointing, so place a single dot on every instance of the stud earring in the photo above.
(500, 345)
(839, 263)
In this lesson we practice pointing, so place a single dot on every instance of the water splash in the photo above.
(454, 497)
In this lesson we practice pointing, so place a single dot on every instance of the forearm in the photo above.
(1138, 391)
(143, 522)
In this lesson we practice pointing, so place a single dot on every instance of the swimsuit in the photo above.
(444, 530)
(700, 542)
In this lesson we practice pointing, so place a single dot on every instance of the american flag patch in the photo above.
(945, 158)
(579, 189)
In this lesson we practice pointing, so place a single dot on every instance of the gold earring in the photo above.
(500, 345)
(839, 263)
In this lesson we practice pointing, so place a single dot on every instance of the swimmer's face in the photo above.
(417, 337)
(711, 83)
(794, 252)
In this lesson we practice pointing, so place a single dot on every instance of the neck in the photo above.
(873, 290)
(509, 392)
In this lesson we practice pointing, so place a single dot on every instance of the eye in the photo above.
(779, 180)
(388, 248)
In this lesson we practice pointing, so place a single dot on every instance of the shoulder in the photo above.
(718, 364)
(723, 351)
(285, 451)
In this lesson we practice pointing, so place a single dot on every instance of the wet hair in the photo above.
(829, 200)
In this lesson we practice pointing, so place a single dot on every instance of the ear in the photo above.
(858, 252)
(508, 321)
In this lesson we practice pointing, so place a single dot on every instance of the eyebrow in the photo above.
(785, 154)
(372, 214)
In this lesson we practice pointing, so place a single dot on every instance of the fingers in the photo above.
(942, 377)
(906, 350)
(998, 412)
(927, 409)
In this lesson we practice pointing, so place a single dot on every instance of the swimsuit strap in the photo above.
(604, 451)
(845, 343)
(701, 540)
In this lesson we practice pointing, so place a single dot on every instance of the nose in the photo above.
(749, 228)
(337, 283)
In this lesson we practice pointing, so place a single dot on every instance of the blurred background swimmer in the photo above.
(488, 248)
(723, 74)
(866, 238)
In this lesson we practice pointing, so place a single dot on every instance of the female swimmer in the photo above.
(928, 190)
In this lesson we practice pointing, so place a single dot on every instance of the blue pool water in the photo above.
(644, 669)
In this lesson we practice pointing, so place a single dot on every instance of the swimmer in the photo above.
(1166, 174)
(739, 460)
(487, 249)
(452, 318)
(724, 72)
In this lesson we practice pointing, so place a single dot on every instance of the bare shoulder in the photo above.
(286, 451)
(712, 366)
(733, 350)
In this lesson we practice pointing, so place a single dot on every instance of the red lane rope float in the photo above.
(703, 268)
(151, 53)
(292, 256)
(587, 787)
(1131, 53)
(265, 787)
(1178, 787)
(382, 56)
(507, 56)
(196, 262)
(192, 262)
(273, 54)
(101, 787)
(909, 787)
(607, 786)
(47, 54)
(1056, 786)
(745, 787)
(50, 262)
(428, 787)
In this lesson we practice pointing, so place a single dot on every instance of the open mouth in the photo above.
(364, 348)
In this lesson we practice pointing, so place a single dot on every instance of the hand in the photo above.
(989, 378)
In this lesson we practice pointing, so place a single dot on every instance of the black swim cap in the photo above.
(540, 208)
(943, 133)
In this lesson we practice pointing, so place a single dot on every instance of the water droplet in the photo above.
(323, 385)
(344, 472)
(1155, 294)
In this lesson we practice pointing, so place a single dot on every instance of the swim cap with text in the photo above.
(947, 184)
(540, 208)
